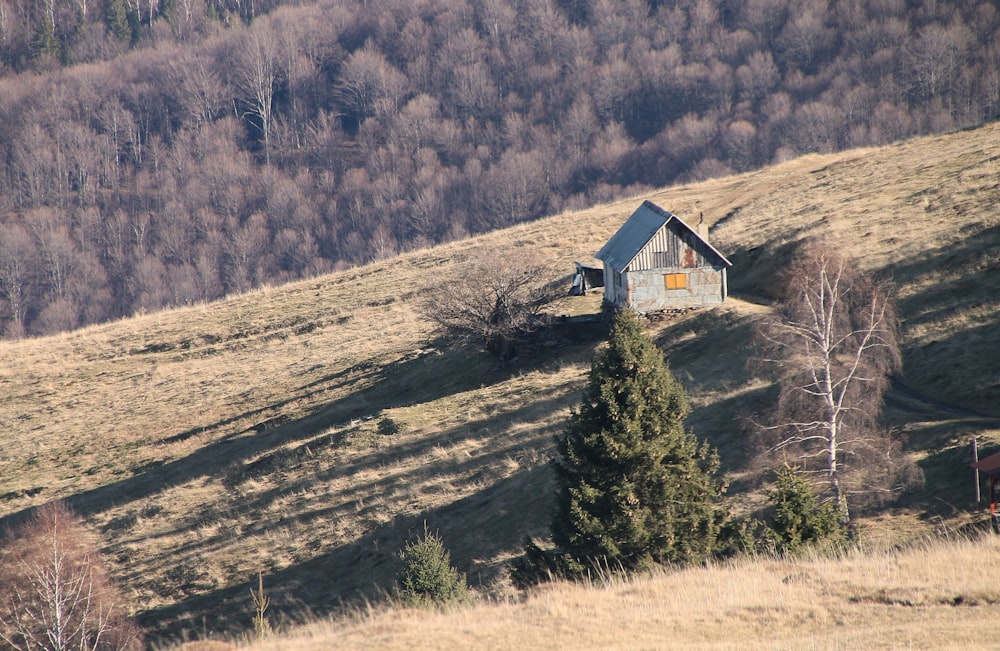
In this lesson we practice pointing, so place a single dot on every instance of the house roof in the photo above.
(638, 229)
(990, 464)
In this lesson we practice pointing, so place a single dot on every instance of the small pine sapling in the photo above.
(427, 577)
(800, 518)
(261, 602)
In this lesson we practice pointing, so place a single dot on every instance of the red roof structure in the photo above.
(990, 465)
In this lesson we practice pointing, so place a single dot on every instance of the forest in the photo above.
(166, 152)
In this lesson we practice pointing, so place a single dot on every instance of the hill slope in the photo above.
(212, 442)
(930, 596)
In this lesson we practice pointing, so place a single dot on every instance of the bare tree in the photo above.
(54, 593)
(515, 188)
(257, 80)
(17, 270)
(493, 300)
(369, 84)
(834, 344)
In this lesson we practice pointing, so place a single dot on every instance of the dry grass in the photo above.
(211, 442)
(935, 595)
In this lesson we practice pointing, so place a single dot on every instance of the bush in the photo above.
(494, 300)
(388, 427)
(800, 519)
(427, 577)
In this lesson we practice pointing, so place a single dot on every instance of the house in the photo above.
(657, 262)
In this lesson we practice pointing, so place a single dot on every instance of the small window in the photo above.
(676, 281)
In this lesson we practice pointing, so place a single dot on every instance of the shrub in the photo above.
(800, 518)
(427, 577)
(388, 427)
(494, 300)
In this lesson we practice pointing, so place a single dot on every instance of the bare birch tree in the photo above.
(834, 344)
(256, 70)
(54, 593)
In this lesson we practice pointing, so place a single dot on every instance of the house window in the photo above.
(676, 281)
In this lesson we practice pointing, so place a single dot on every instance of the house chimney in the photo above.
(702, 226)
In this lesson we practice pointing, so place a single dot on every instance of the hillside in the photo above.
(930, 596)
(208, 443)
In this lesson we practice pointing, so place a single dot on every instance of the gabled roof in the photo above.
(638, 229)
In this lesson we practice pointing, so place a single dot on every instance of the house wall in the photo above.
(645, 291)
(614, 286)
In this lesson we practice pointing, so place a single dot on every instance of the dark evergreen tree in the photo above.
(635, 487)
(117, 18)
(800, 518)
(46, 46)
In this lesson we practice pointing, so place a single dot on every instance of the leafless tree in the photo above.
(245, 247)
(55, 595)
(936, 54)
(17, 266)
(834, 344)
(200, 91)
(369, 84)
(817, 127)
(494, 299)
(257, 79)
(515, 188)
(758, 76)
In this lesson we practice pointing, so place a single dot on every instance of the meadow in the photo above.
(308, 431)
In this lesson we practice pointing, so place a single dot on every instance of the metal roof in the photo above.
(637, 230)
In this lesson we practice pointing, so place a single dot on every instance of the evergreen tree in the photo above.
(46, 46)
(117, 17)
(635, 487)
(427, 577)
(800, 518)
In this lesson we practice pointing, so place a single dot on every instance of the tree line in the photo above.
(163, 152)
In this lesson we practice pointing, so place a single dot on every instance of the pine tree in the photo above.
(118, 19)
(46, 46)
(427, 577)
(800, 518)
(635, 487)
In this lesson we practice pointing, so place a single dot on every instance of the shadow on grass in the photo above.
(362, 571)
(406, 454)
(418, 377)
(492, 521)
(708, 354)
(959, 367)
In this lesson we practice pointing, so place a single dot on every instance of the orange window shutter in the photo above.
(676, 281)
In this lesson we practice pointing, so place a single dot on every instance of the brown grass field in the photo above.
(929, 596)
(207, 443)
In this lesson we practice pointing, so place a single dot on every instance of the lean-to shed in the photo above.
(657, 262)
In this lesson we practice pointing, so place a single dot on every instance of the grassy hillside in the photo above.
(931, 596)
(208, 443)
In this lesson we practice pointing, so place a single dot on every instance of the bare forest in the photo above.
(164, 152)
